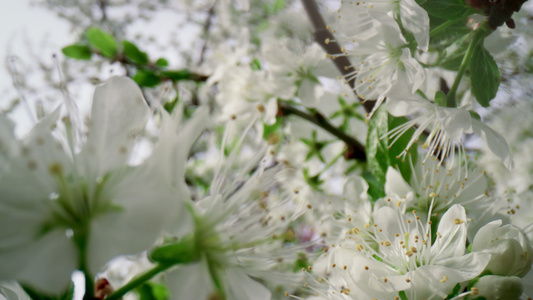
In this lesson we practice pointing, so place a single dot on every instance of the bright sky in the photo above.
(32, 33)
(21, 22)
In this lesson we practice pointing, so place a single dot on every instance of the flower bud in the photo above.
(512, 254)
(492, 287)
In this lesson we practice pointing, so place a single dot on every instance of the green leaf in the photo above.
(153, 291)
(78, 52)
(132, 53)
(397, 159)
(161, 63)
(452, 56)
(146, 78)
(382, 153)
(183, 251)
(447, 9)
(278, 5)
(176, 75)
(376, 145)
(375, 189)
(484, 75)
(103, 42)
(255, 64)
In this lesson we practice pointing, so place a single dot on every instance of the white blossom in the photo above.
(511, 251)
(381, 61)
(64, 209)
(446, 127)
(407, 258)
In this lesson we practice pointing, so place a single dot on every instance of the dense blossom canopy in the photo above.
(370, 149)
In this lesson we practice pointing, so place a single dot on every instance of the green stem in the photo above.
(332, 162)
(137, 281)
(479, 35)
(81, 236)
(441, 27)
(216, 280)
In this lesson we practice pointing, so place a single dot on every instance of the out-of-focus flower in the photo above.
(241, 233)
(380, 56)
(492, 287)
(356, 17)
(511, 251)
(302, 69)
(77, 204)
(433, 186)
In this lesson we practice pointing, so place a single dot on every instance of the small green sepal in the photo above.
(475, 115)
(440, 98)
(484, 75)
(181, 252)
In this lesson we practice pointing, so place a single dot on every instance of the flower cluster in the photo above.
(348, 152)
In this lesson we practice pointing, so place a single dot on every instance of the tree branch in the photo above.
(327, 41)
(205, 30)
(102, 6)
(153, 67)
(355, 149)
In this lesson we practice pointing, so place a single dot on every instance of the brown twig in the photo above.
(205, 30)
(327, 41)
(102, 5)
(355, 149)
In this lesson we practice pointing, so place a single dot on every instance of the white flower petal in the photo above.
(241, 287)
(492, 287)
(118, 113)
(467, 266)
(309, 92)
(433, 282)
(146, 206)
(495, 142)
(451, 234)
(416, 20)
(175, 141)
(400, 107)
(456, 121)
(191, 281)
(390, 221)
(396, 185)
(416, 74)
(47, 262)
(12, 291)
(511, 251)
